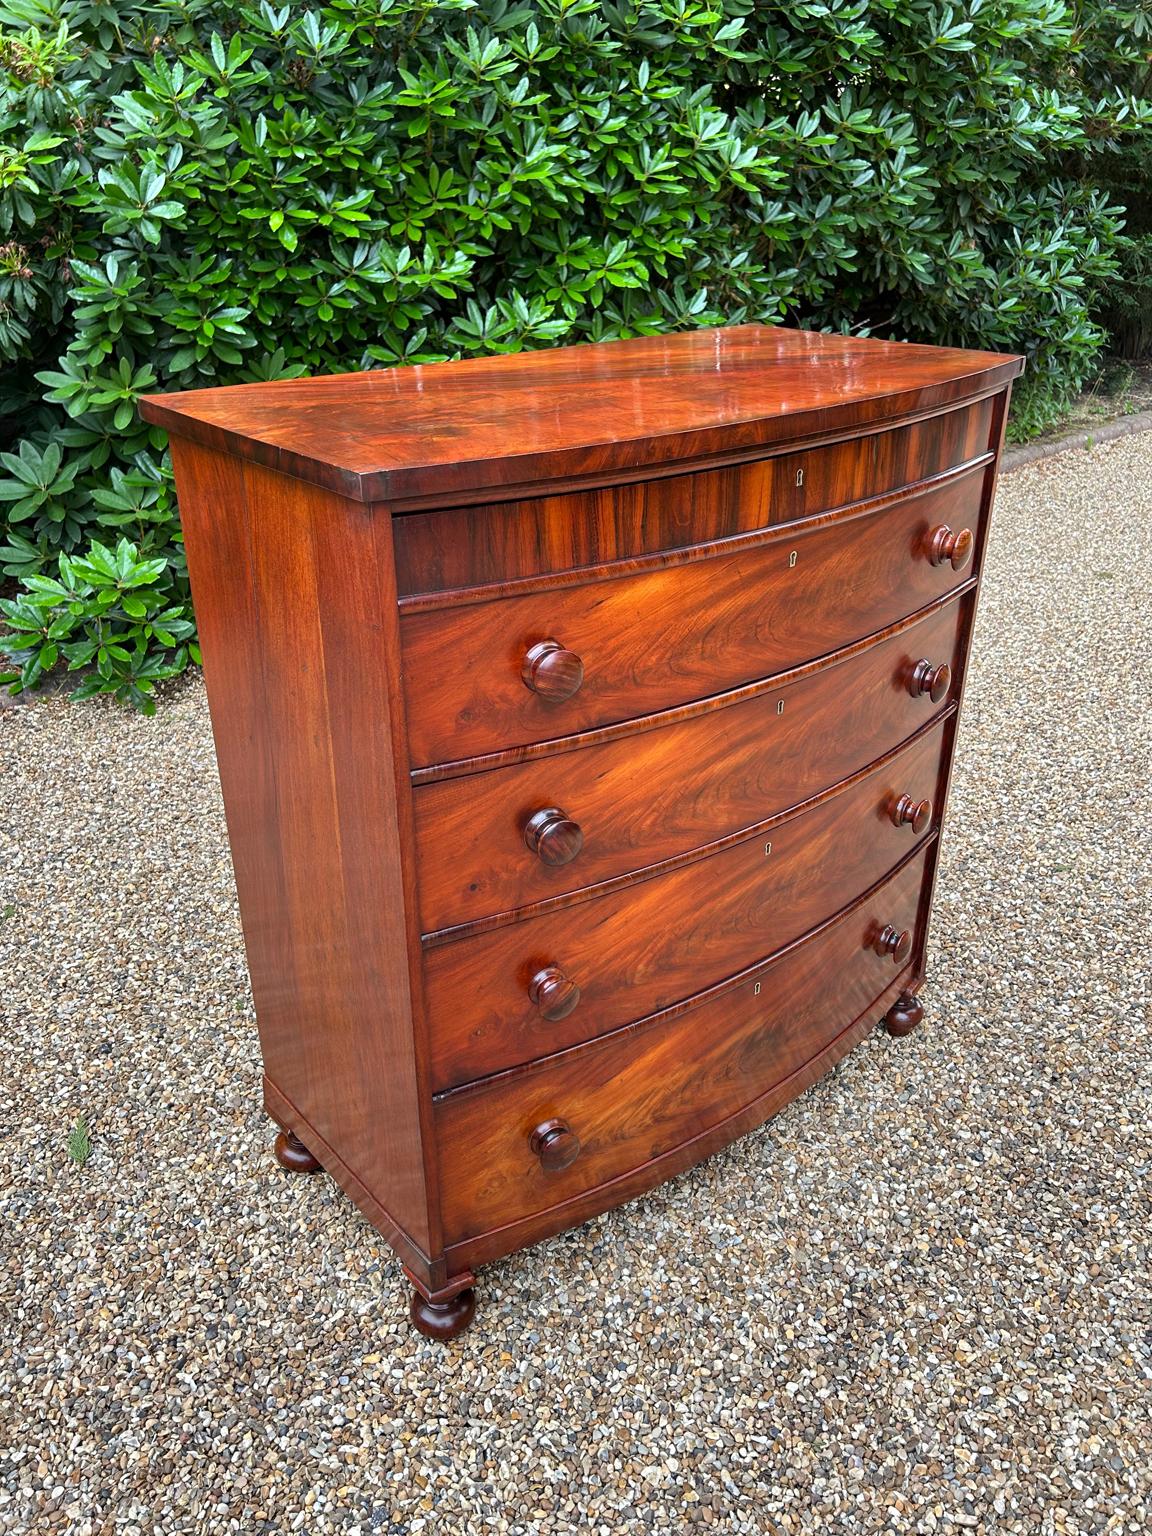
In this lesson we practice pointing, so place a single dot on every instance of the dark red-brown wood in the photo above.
(640, 799)
(585, 723)
(474, 546)
(652, 635)
(633, 1095)
(639, 950)
(555, 1145)
(442, 1320)
(905, 1015)
(293, 1156)
(554, 838)
(439, 432)
(907, 811)
(551, 672)
(553, 994)
(309, 741)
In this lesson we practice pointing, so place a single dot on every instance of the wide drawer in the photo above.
(635, 1095)
(455, 547)
(528, 989)
(640, 798)
(650, 636)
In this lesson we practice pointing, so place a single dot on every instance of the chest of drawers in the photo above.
(584, 722)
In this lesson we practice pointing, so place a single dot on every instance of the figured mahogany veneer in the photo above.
(665, 631)
(585, 721)
(622, 958)
(639, 798)
(635, 1094)
(475, 546)
(454, 432)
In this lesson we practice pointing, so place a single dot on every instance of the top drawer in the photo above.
(475, 546)
(650, 635)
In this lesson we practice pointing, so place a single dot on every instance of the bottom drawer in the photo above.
(618, 1102)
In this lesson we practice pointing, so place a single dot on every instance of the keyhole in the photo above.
(799, 477)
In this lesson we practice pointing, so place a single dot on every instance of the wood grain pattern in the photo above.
(534, 751)
(437, 432)
(511, 1235)
(642, 799)
(634, 1095)
(471, 546)
(677, 694)
(656, 638)
(301, 716)
(641, 949)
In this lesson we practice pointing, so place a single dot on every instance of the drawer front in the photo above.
(502, 998)
(636, 644)
(474, 546)
(641, 798)
(640, 1093)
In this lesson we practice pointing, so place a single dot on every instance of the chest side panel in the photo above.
(296, 605)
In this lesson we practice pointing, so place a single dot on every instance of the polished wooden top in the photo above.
(445, 431)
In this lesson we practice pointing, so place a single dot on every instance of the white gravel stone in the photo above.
(918, 1301)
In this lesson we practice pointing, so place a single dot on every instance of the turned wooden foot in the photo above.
(905, 1014)
(442, 1320)
(291, 1153)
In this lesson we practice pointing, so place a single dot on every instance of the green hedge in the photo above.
(1124, 307)
(210, 192)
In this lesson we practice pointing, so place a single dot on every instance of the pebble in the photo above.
(916, 1301)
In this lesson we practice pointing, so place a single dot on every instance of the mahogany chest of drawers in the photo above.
(584, 721)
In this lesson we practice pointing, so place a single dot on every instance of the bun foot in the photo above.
(442, 1320)
(905, 1015)
(291, 1153)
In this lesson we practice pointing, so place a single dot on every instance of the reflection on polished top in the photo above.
(444, 430)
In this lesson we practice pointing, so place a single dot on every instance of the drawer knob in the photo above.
(896, 942)
(934, 681)
(552, 672)
(955, 547)
(552, 837)
(916, 814)
(556, 1144)
(553, 993)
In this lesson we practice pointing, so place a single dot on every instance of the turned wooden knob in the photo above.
(552, 672)
(556, 1144)
(553, 993)
(912, 813)
(956, 548)
(552, 837)
(896, 942)
(934, 681)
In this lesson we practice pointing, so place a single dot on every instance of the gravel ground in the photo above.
(917, 1301)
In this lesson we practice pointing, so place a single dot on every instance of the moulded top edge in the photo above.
(442, 430)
